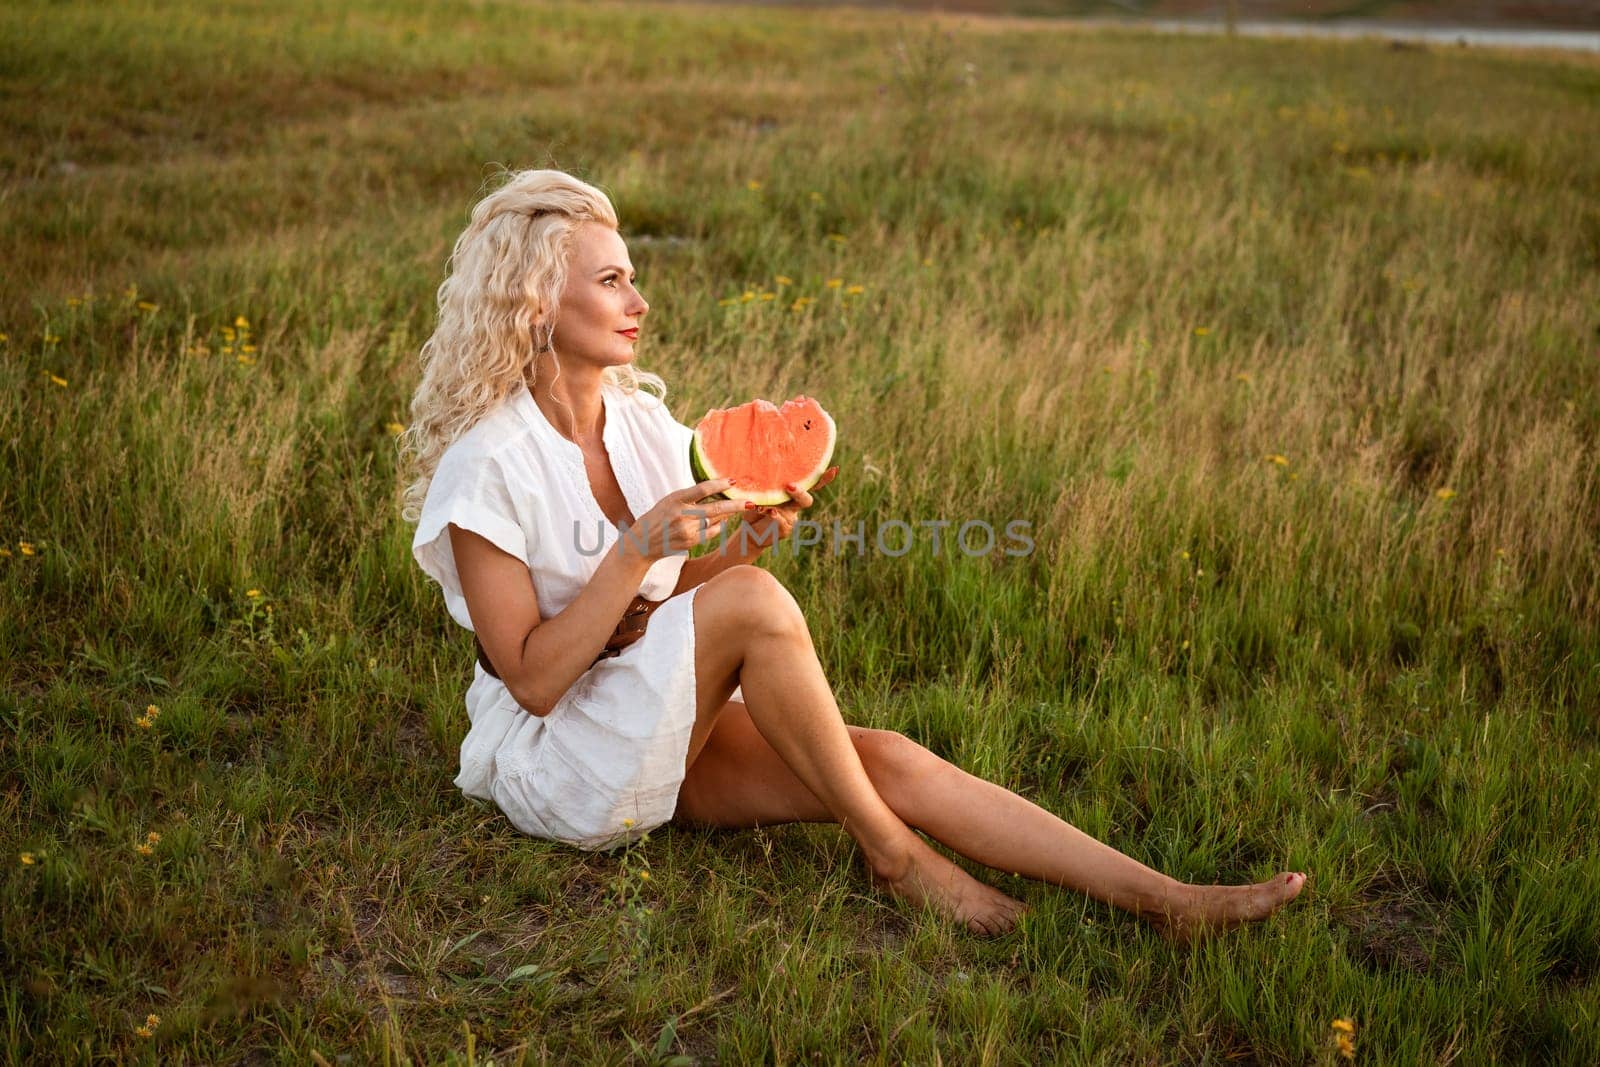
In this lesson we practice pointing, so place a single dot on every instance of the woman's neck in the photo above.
(571, 404)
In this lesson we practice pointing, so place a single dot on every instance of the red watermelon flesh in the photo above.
(763, 447)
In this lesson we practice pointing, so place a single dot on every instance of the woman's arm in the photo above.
(737, 549)
(761, 528)
(538, 659)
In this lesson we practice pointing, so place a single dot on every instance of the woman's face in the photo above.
(599, 302)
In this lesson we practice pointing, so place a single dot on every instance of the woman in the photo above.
(621, 685)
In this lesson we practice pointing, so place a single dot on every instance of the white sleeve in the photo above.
(469, 491)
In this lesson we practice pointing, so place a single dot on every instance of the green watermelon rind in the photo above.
(704, 471)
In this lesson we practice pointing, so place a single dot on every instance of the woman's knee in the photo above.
(886, 752)
(752, 601)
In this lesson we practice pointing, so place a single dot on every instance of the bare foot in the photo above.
(930, 878)
(1203, 909)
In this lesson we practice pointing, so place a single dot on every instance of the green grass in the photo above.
(1377, 660)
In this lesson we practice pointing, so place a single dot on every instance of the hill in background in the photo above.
(1574, 14)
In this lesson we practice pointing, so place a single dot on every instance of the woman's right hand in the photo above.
(679, 522)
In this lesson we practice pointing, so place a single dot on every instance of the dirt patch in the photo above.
(1379, 803)
(1574, 960)
(1394, 927)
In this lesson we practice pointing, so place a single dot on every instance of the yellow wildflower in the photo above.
(1201, 331)
(752, 185)
(1282, 461)
(395, 428)
(1445, 493)
(783, 279)
(1185, 554)
(837, 238)
(247, 348)
(144, 1031)
(769, 296)
(242, 322)
(73, 302)
(1345, 1030)
(834, 283)
(5, 553)
(27, 859)
(816, 197)
(627, 822)
(143, 722)
(1185, 644)
(145, 305)
(247, 361)
(854, 289)
(927, 263)
(644, 876)
(151, 710)
(145, 850)
(152, 1020)
(152, 838)
(5, 337)
(51, 339)
(725, 301)
(252, 593)
(59, 380)
(747, 296)
(25, 547)
(1243, 376)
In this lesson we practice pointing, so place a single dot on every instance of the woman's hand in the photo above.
(762, 521)
(679, 522)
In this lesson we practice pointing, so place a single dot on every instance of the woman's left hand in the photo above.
(782, 517)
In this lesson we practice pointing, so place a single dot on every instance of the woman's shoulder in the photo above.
(485, 442)
(497, 429)
(646, 407)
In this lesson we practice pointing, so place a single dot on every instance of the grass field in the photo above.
(1287, 350)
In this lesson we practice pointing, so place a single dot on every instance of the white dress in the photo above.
(613, 747)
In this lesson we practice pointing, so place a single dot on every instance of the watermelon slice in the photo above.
(762, 447)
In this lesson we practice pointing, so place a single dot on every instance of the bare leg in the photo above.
(739, 781)
(996, 827)
(749, 632)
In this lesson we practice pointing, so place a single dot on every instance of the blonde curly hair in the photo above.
(497, 312)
